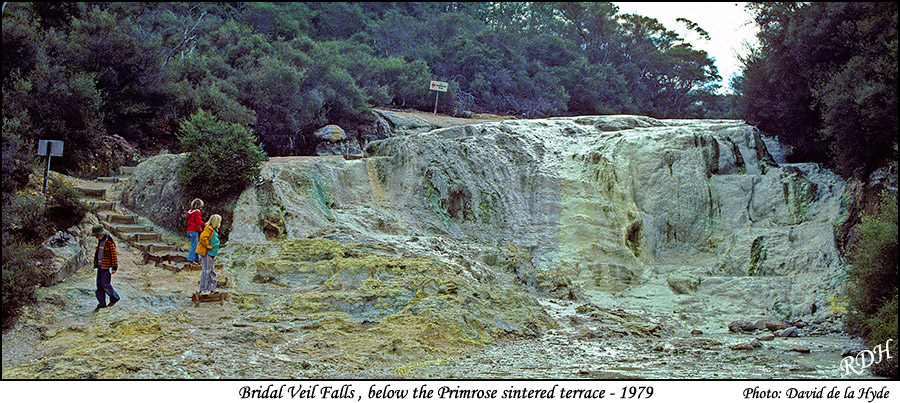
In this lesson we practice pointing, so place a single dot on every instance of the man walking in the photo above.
(107, 262)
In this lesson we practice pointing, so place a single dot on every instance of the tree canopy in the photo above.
(74, 71)
(824, 79)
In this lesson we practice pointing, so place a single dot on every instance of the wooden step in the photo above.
(108, 179)
(188, 267)
(121, 218)
(174, 268)
(159, 258)
(218, 296)
(125, 171)
(89, 192)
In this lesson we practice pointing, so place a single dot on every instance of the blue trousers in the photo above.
(104, 288)
(195, 239)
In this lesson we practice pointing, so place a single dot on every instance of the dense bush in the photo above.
(65, 208)
(824, 79)
(883, 328)
(19, 279)
(223, 157)
(18, 160)
(872, 281)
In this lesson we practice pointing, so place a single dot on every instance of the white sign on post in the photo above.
(437, 86)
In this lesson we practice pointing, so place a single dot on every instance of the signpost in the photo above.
(50, 148)
(438, 87)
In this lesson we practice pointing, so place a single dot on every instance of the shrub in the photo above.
(18, 159)
(24, 217)
(883, 328)
(65, 208)
(872, 280)
(223, 157)
(19, 279)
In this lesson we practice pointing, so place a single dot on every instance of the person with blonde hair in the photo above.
(194, 226)
(208, 248)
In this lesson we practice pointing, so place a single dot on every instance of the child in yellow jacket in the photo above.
(208, 248)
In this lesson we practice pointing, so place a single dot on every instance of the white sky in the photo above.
(728, 25)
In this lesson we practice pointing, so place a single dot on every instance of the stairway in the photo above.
(103, 197)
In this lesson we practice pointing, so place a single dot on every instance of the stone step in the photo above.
(97, 205)
(121, 218)
(123, 229)
(144, 236)
(125, 171)
(109, 179)
(155, 247)
(90, 192)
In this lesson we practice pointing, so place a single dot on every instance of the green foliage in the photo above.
(77, 71)
(825, 81)
(65, 208)
(19, 279)
(872, 279)
(223, 157)
(18, 158)
(884, 327)
(28, 223)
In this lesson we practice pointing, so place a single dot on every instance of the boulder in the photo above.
(153, 191)
(68, 251)
(683, 284)
(766, 337)
(739, 326)
(799, 349)
(751, 345)
(789, 332)
(332, 133)
(775, 326)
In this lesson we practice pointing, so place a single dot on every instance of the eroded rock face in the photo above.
(600, 198)
(596, 199)
(154, 192)
(442, 239)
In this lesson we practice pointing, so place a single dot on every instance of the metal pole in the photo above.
(436, 93)
(46, 171)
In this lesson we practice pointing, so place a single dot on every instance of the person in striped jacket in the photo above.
(106, 261)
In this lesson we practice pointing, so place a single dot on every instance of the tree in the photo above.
(824, 79)
(223, 157)
(124, 70)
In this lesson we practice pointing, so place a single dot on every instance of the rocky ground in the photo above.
(156, 332)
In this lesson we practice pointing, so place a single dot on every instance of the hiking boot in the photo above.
(111, 303)
(97, 309)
